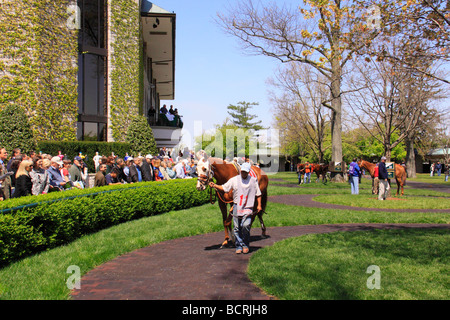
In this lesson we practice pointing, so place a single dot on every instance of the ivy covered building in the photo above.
(83, 69)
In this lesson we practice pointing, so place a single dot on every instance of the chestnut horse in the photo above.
(223, 171)
(399, 173)
(320, 169)
(317, 168)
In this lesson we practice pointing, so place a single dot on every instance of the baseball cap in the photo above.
(383, 158)
(77, 158)
(246, 167)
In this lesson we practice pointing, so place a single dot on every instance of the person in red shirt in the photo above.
(375, 180)
(308, 170)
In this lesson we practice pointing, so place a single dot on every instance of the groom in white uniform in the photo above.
(245, 191)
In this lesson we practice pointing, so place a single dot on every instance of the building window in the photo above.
(92, 75)
(91, 131)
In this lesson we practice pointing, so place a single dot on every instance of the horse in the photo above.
(222, 171)
(321, 169)
(300, 172)
(399, 173)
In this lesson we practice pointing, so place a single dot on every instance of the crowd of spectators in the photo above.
(34, 174)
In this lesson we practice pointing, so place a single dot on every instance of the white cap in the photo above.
(149, 156)
(245, 167)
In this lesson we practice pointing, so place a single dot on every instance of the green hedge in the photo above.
(62, 217)
(88, 148)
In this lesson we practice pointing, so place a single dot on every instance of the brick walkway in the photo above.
(194, 268)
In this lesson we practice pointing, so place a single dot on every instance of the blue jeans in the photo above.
(241, 230)
(354, 183)
(308, 177)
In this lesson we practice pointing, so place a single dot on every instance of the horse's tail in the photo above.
(404, 176)
(263, 182)
(264, 199)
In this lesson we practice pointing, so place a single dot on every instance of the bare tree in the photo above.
(394, 102)
(299, 108)
(322, 34)
(423, 24)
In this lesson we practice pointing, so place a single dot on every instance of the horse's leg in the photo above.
(263, 226)
(226, 222)
(263, 205)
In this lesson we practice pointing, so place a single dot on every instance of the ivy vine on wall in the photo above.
(38, 65)
(126, 63)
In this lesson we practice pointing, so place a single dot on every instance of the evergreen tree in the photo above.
(140, 137)
(15, 130)
(241, 118)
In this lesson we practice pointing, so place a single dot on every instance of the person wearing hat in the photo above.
(383, 179)
(57, 181)
(245, 191)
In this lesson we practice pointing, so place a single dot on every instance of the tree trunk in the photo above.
(336, 121)
(388, 155)
(410, 159)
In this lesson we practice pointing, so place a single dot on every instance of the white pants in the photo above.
(383, 189)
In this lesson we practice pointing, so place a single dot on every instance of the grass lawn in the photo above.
(372, 201)
(425, 177)
(44, 276)
(413, 265)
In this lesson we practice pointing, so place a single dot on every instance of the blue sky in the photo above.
(211, 69)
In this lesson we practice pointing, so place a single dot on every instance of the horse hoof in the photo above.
(225, 244)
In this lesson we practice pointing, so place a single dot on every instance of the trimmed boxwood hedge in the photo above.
(28, 227)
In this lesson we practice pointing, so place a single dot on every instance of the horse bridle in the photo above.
(205, 178)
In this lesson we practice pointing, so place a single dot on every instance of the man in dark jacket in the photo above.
(383, 177)
(146, 170)
(135, 171)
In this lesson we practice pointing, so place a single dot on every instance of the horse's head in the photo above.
(203, 174)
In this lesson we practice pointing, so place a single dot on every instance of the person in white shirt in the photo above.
(245, 191)
(179, 169)
(96, 159)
